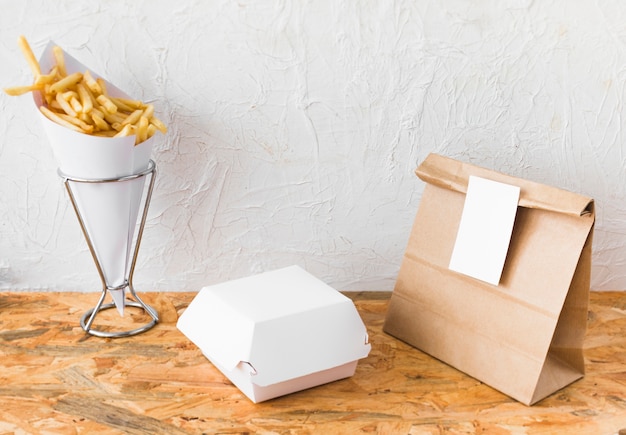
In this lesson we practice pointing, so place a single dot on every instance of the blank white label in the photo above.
(485, 229)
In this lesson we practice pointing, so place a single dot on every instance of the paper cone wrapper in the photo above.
(109, 210)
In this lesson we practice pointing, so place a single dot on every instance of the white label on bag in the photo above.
(485, 229)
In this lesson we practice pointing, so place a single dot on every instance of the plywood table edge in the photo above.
(56, 379)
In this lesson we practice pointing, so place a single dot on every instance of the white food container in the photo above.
(277, 332)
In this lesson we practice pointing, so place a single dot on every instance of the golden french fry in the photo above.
(148, 112)
(65, 105)
(54, 106)
(56, 118)
(30, 57)
(86, 128)
(142, 130)
(121, 105)
(113, 118)
(84, 97)
(47, 78)
(158, 124)
(151, 130)
(94, 102)
(92, 83)
(66, 82)
(103, 86)
(105, 133)
(68, 95)
(60, 60)
(98, 112)
(106, 103)
(126, 131)
(47, 95)
(133, 117)
(20, 90)
(99, 122)
(127, 104)
(78, 108)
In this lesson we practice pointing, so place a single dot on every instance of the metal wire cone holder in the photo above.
(88, 318)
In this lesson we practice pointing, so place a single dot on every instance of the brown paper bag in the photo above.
(524, 336)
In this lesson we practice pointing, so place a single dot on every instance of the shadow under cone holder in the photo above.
(135, 195)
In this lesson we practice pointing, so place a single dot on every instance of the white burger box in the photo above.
(277, 332)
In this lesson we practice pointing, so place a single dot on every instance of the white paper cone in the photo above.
(109, 210)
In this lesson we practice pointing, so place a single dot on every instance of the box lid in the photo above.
(285, 323)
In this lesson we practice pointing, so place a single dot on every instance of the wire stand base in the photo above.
(87, 320)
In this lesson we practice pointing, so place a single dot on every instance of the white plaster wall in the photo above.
(295, 127)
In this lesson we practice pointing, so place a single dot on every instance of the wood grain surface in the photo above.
(55, 379)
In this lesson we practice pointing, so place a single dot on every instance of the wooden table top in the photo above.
(56, 379)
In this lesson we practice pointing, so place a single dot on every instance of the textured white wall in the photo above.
(295, 127)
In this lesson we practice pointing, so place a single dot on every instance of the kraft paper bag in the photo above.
(522, 336)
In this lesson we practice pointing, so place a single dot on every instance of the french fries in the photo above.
(80, 102)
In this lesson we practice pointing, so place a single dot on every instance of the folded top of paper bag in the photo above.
(452, 174)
